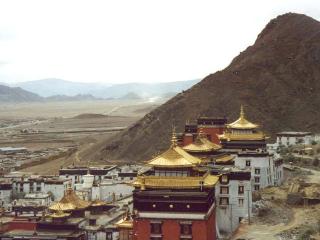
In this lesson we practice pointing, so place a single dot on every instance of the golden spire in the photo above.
(241, 112)
(242, 122)
(201, 133)
(174, 137)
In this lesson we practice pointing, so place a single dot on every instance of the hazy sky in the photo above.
(134, 40)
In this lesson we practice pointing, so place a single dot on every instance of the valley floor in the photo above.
(59, 134)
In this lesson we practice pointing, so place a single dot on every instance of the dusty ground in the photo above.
(281, 221)
(82, 126)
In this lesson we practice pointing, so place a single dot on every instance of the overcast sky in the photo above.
(130, 41)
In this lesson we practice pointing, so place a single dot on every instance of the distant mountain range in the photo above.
(16, 94)
(60, 90)
(53, 87)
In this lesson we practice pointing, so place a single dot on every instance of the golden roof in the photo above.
(224, 159)
(126, 222)
(69, 202)
(250, 136)
(59, 214)
(242, 122)
(202, 144)
(175, 182)
(175, 156)
(97, 202)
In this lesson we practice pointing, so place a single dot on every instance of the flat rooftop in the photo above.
(291, 133)
(13, 149)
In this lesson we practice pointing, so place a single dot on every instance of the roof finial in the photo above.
(174, 137)
(241, 112)
(201, 132)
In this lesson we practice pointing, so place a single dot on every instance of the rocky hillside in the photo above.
(277, 80)
(9, 94)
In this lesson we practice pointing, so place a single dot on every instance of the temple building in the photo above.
(208, 151)
(242, 135)
(212, 127)
(175, 199)
(247, 143)
(233, 190)
(71, 203)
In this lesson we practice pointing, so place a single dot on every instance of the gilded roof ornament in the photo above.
(242, 122)
(174, 137)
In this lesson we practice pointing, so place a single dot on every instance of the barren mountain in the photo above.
(16, 94)
(277, 80)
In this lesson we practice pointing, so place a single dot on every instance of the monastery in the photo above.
(199, 188)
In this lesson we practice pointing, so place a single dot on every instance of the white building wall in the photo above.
(119, 189)
(228, 216)
(5, 197)
(56, 189)
(74, 178)
(278, 175)
(261, 167)
(287, 141)
(95, 194)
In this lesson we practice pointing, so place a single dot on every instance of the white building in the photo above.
(112, 189)
(44, 199)
(261, 165)
(37, 184)
(5, 193)
(106, 190)
(76, 173)
(286, 139)
(234, 199)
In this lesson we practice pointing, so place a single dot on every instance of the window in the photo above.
(224, 179)
(92, 222)
(240, 189)
(256, 187)
(224, 190)
(224, 201)
(257, 171)
(186, 229)
(256, 179)
(109, 236)
(240, 202)
(248, 163)
(156, 228)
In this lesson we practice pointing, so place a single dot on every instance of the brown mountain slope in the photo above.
(277, 80)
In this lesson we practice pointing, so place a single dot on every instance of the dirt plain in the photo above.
(62, 133)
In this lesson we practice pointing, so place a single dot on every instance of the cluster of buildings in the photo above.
(12, 158)
(78, 203)
(199, 188)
